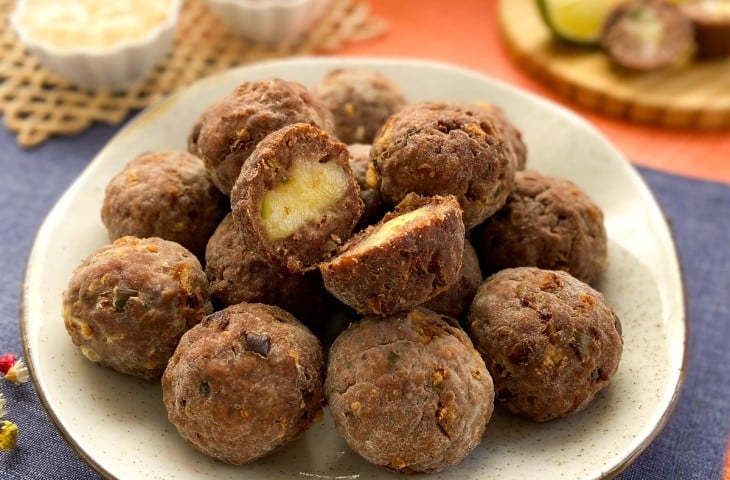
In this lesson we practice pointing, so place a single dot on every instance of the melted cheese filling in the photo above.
(307, 191)
(388, 230)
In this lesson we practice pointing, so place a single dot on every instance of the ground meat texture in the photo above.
(296, 200)
(547, 222)
(408, 392)
(409, 257)
(127, 305)
(512, 135)
(455, 300)
(360, 101)
(238, 274)
(550, 341)
(229, 130)
(443, 149)
(647, 35)
(164, 194)
(244, 382)
(374, 206)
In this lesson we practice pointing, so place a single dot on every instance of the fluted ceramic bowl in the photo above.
(269, 21)
(113, 61)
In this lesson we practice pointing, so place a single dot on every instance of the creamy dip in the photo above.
(92, 24)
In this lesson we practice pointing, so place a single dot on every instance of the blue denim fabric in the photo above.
(694, 441)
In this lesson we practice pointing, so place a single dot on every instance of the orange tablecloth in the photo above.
(466, 33)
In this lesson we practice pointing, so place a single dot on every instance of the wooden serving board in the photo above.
(693, 95)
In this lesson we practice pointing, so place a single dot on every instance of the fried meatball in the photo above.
(244, 382)
(547, 222)
(456, 299)
(228, 131)
(512, 135)
(164, 194)
(408, 392)
(127, 304)
(238, 274)
(647, 35)
(409, 257)
(360, 101)
(296, 200)
(374, 206)
(443, 149)
(549, 340)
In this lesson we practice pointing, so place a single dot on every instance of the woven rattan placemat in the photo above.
(37, 104)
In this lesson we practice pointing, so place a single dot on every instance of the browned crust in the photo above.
(550, 341)
(408, 268)
(437, 148)
(375, 208)
(266, 168)
(164, 194)
(129, 303)
(408, 392)
(455, 300)
(360, 101)
(237, 273)
(512, 135)
(547, 222)
(244, 382)
(228, 131)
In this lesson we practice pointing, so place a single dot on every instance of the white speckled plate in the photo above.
(118, 424)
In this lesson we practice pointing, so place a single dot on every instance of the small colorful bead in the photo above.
(7, 361)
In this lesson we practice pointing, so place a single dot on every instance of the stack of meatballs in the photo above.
(338, 246)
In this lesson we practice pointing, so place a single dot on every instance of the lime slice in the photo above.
(578, 21)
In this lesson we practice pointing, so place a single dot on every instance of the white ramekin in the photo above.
(269, 21)
(110, 68)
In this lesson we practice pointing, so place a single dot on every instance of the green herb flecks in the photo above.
(120, 297)
(204, 388)
(258, 343)
(581, 342)
(393, 357)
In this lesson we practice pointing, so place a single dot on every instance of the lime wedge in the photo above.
(578, 21)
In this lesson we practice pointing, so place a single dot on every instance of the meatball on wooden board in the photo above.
(589, 77)
(118, 423)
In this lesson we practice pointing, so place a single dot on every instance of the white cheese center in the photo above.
(307, 191)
